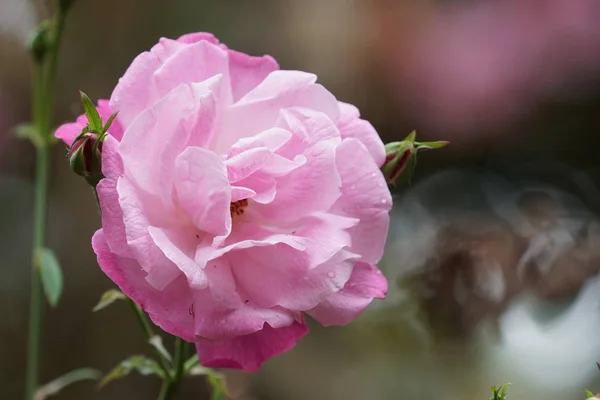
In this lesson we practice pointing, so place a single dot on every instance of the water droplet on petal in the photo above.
(306, 278)
(223, 322)
(331, 274)
(378, 272)
(352, 187)
(374, 174)
(383, 201)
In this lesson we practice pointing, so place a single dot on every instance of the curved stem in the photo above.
(147, 328)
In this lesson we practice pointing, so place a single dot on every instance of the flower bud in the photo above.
(401, 158)
(85, 158)
(398, 157)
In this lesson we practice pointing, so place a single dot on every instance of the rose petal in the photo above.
(248, 352)
(366, 283)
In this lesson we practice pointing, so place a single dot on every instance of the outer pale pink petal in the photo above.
(160, 270)
(185, 117)
(198, 36)
(153, 74)
(112, 217)
(168, 308)
(203, 190)
(366, 283)
(279, 275)
(112, 164)
(259, 110)
(240, 193)
(351, 126)
(248, 72)
(248, 352)
(365, 196)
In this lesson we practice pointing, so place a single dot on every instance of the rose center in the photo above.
(237, 207)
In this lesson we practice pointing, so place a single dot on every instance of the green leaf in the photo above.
(51, 274)
(499, 393)
(431, 145)
(109, 297)
(94, 120)
(58, 384)
(109, 122)
(157, 343)
(217, 382)
(142, 365)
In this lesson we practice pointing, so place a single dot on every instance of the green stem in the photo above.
(43, 91)
(36, 298)
(147, 328)
(165, 390)
(179, 359)
(36, 302)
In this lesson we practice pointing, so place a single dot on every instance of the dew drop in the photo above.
(223, 322)
(306, 278)
(378, 272)
(383, 201)
(352, 187)
(374, 174)
(331, 274)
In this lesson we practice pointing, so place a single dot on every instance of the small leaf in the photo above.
(157, 343)
(431, 145)
(65, 380)
(109, 297)
(109, 122)
(94, 120)
(217, 382)
(51, 274)
(140, 364)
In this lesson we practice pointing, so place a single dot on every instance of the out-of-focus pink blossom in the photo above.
(238, 197)
(477, 65)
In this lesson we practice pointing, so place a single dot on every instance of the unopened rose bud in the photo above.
(85, 157)
(401, 158)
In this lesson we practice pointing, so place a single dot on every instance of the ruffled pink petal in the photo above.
(351, 126)
(366, 283)
(160, 270)
(288, 281)
(248, 72)
(245, 164)
(185, 117)
(365, 196)
(168, 308)
(249, 352)
(179, 246)
(259, 109)
(203, 190)
(315, 185)
(167, 65)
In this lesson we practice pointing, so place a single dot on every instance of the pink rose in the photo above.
(236, 197)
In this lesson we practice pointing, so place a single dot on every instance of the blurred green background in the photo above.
(494, 249)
